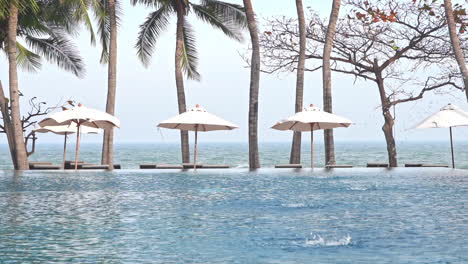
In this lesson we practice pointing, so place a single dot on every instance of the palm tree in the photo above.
(229, 18)
(44, 27)
(295, 157)
(254, 159)
(106, 11)
(327, 89)
(457, 50)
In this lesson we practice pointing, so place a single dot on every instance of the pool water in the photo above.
(235, 216)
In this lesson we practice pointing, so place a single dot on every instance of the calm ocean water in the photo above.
(236, 154)
(235, 216)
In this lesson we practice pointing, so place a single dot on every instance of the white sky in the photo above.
(146, 96)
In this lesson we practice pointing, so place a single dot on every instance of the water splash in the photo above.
(319, 241)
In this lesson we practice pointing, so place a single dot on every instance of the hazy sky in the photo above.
(148, 95)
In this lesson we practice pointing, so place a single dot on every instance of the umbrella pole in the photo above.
(312, 144)
(64, 150)
(451, 145)
(195, 149)
(77, 150)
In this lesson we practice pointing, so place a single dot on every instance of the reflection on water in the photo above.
(233, 216)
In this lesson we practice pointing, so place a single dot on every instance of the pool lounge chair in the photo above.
(422, 165)
(288, 166)
(215, 166)
(338, 166)
(190, 165)
(160, 166)
(41, 166)
(377, 165)
(93, 167)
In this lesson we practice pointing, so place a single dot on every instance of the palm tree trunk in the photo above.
(108, 140)
(387, 128)
(295, 157)
(327, 87)
(184, 139)
(7, 125)
(254, 160)
(456, 43)
(20, 148)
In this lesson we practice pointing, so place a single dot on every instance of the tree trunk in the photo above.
(108, 139)
(327, 85)
(7, 125)
(184, 139)
(388, 118)
(457, 50)
(254, 160)
(295, 157)
(20, 148)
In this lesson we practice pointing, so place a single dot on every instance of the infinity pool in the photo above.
(235, 216)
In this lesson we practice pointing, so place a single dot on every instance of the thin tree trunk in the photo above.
(457, 50)
(108, 140)
(7, 125)
(254, 160)
(327, 83)
(295, 157)
(387, 128)
(20, 147)
(184, 139)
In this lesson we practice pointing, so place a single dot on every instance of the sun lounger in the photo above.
(93, 167)
(338, 166)
(44, 167)
(377, 165)
(288, 166)
(190, 166)
(434, 166)
(117, 167)
(220, 166)
(33, 163)
(168, 166)
(422, 165)
(147, 166)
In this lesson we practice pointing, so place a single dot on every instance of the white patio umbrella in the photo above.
(81, 116)
(312, 118)
(197, 119)
(65, 130)
(449, 116)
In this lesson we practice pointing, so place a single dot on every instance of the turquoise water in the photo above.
(236, 154)
(235, 216)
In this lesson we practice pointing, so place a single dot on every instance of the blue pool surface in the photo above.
(235, 216)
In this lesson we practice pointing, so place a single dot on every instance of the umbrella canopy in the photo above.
(449, 116)
(197, 119)
(312, 118)
(82, 116)
(67, 129)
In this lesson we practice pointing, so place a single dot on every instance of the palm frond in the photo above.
(101, 13)
(27, 59)
(189, 57)
(60, 51)
(155, 23)
(211, 17)
(83, 13)
(230, 13)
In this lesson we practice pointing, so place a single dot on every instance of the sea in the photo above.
(358, 154)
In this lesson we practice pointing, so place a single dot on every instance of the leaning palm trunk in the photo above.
(108, 140)
(21, 156)
(327, 88)
(184, 140)
(254, 160)
(295, 157)
(456, 43)
(7, 125)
